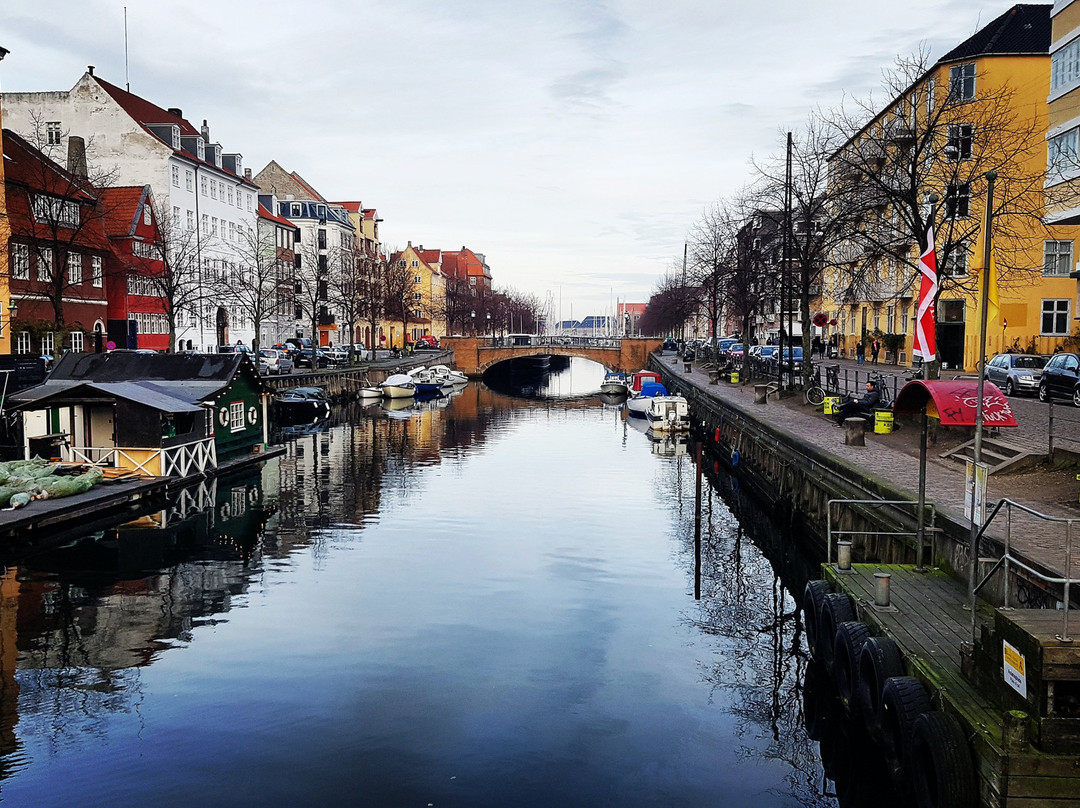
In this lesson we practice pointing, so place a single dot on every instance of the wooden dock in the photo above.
(929, 620)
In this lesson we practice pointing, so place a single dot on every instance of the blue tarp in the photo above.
(652, 390)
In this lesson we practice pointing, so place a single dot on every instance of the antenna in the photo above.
(127, 77)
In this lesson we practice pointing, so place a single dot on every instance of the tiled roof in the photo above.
(121, 209)
(352, 207)
(369, 213)
(273, 217)
(146, 113)
(1023, 29)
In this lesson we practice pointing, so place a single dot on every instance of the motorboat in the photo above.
(638, 404)
(429, 382)
(615, 384)
(668, 414)
(368, 392)
(640, 378)
(303, 404)
(456, 377)
(398, 385)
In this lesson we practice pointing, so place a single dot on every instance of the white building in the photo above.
(205, 190)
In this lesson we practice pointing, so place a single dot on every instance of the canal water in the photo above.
(486, 600)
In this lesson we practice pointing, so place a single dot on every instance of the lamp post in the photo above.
(490, 327)
(472, 314)
(13, 309)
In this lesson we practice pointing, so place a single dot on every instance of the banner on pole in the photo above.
(925, 345)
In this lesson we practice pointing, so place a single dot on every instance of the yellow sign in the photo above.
(832, 407)
(1013, 669)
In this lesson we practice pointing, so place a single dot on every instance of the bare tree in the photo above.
(251, 285)
(371, 295)
(346, 287)
(398, 290)
(713, 254)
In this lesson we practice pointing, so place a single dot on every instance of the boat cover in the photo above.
(652, 390)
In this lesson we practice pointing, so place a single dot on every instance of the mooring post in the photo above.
(882, 593)
(843, 555)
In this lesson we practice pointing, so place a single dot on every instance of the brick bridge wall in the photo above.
(474, 355)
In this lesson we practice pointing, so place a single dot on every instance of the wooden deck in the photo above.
(931, 623)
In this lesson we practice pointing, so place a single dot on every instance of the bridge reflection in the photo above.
(474, 355)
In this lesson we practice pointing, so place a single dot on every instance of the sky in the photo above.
(574, 143)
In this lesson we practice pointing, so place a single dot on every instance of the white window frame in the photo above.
(78, 342)
(962, 82)
(22, 342)
(176, 176)
(236, 416)
(44, 264)
(48, 343)
(54, 134)
(97, 273)
(1058, 310)
(20, 262)
(74, 268)
(1057, 258)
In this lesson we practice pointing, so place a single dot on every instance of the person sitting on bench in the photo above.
(860, 407)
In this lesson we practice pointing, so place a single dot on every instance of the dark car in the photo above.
(303, 359)
(1061, 378)
(1016, 373)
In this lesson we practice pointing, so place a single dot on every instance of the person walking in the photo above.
(859, 357)
(875, 349)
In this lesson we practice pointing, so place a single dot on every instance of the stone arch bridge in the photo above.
(474, 355)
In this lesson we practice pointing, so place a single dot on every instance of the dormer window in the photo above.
(200, 148)
(175, 137)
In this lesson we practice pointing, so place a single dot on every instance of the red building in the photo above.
(57, 251)
(136, 308)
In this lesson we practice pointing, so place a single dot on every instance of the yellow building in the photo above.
(982, 106)
(427, 298)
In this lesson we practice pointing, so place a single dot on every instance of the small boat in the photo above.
(368, 391)
(615, 384)
(303, 403)
(428, 382)
(638, 404)
(398, 385)
(668, 414)
(640, 378)
(456, 377)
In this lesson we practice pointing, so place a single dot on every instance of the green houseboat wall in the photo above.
(246, 389)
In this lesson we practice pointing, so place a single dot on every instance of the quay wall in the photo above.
(797, 479)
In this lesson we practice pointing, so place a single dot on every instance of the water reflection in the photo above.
(419, 610)
(546, 377)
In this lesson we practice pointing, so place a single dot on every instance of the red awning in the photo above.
(954, 402)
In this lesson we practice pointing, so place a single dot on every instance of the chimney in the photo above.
(179, 113)
(247, 174)
(205, 131)
(90, 69)
(76, 159)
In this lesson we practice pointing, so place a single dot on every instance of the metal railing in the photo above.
(914, 503)
(1066, 581)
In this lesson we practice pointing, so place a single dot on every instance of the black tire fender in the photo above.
(903, 700)
(847, 645)
(942, 765)
(814, 593)
(836, 608)
(879, 659)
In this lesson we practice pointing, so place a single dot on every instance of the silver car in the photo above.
(1016, 373)
(274, 361)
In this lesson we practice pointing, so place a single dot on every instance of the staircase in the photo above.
(998, 455)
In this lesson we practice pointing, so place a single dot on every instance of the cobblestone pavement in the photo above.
(895, 457)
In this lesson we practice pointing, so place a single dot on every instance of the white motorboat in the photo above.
(456, 377)
(398, 385)
(668, 414)
(615, 384)
(638, 403)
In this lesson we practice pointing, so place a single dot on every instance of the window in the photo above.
(958, 200)
(203, 186)
(418, 296)
(955, 264)
(213, 189)
(1061, 154)
(213, 225)
(472, 281)
(962, 82)
(22, 343)
(904, 320)
(418, 279)
(191, 220)
(230, 194)
(206, 224)
(1065, 65)
(48, 343)
(176, 220)
(20, 262)
(77, 341)
(931, 86)
(1055, 317)
(415, 264)
(236, 416)
(53, 134)
(176, 176)
(958, 147)
(74, 268)
(97, 277)
(53, 210)
(189, 180)
(890, 319)
(322, 239)
(951, 311)
(45, 264)
(1057, 258)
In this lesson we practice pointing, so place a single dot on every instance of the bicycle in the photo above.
(815, 393)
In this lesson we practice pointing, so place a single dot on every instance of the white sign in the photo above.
(1014, 670)
(975, 490)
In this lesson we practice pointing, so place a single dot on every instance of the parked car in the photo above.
(1016, 373)
(337, 355)
(1061, 378)
(238, 348)
(303, 359)
(791, 361)
(426, 342)
(274, 361)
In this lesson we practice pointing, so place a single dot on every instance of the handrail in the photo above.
(1008, 558)
(829, 527)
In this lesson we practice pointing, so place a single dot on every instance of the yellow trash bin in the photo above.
(883, 422)
(832, 405)
(734, 377)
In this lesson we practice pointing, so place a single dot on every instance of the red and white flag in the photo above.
(925, 343)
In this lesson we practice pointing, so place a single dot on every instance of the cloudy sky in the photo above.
(574, 142)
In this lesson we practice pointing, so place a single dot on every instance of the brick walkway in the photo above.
(895, 458)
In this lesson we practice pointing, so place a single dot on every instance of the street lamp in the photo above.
(13, 309)
(490, 326)
(473, 315)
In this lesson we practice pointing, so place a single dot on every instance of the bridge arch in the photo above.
(474, 355)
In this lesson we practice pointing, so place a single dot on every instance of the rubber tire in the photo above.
(1009, 389)
(1076, 396)
(850, 638)
(943, 770)
(814, 593)
(903, 700)
(880, 659)
(836, 608)
(1044, 393)
(815, 396)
